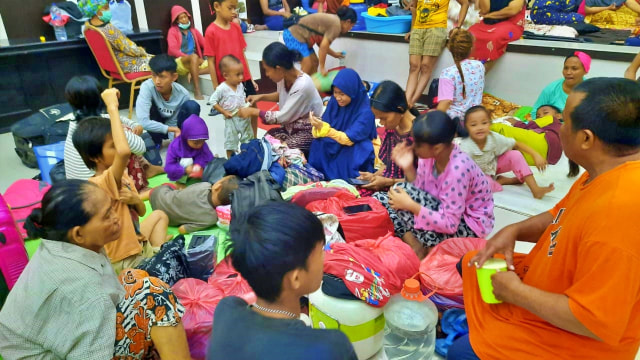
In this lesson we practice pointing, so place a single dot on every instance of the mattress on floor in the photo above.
(518, 198)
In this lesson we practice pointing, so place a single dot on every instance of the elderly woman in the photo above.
(502, 22)
(556, 12)
(69, 304)
(576, 66)
(131, 57)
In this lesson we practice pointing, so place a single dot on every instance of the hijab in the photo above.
(193, 128)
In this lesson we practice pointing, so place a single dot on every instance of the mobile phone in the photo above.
(354, 181)
(354, 209)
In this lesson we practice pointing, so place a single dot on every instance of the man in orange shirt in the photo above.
(576, 295)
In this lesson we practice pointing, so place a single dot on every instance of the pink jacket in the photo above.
(174, 37)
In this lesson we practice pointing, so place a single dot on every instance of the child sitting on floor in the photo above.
(446, 196)
(189, 154)
(495, 154)
(227, 99)
(281, 264)
(193, 208)
(103, 147)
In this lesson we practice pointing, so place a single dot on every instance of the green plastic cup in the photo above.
(484, 273)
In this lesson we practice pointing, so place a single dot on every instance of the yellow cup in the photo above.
(484, 273)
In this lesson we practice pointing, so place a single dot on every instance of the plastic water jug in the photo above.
(58, 23)
(410, 330)
(13, 255)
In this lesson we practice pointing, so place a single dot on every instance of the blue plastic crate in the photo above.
(388, 25)
(48, 156)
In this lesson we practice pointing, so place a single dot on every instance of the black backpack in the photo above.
(47, 126)
(255, 190)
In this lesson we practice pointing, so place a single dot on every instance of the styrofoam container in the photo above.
(387, 25)
(363, 324)
(48, 156)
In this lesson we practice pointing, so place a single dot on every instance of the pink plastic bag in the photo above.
(199, 300)
(231, 282)
(395, 255)
(441, 262)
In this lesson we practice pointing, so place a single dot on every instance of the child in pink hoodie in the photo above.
(186, 44)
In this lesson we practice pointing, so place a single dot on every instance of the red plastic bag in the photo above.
(305, 197)
(359, 226)
(199, 300)
(231, 282)
(394, 254)
(441, 262)
(363, 273)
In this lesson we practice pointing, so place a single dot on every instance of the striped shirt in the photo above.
(75, 168)
(62, 307)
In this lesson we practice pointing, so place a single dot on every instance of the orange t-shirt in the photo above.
(128, 243)
(590, 253)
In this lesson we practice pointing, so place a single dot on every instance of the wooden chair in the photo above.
(109, 65)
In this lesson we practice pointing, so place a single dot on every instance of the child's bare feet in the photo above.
(503, 180)
(260, 27)
(540, 191)
(198, 96)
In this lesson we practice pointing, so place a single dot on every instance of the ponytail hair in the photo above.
(63, 208)
(389, 97)
(277, 54)
(434, 127)
(460, 44)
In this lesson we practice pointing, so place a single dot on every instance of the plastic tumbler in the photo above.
(484, 273)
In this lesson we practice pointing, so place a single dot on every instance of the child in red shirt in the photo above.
(224, 37)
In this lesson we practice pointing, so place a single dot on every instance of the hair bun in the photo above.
(33, 224)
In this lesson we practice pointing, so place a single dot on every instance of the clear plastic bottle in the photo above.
(410, 330)
(343, 59)
(57, 23)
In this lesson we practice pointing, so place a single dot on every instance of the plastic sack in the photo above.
(304, 197)
(441, 262)
(333, 232)
(394, 254)
(359, 226)
(200, 256)
(231, 282)
(363, 273)
(199, 300)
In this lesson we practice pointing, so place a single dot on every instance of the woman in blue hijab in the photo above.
(343, 138)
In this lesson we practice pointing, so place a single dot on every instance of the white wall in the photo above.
(517, 77)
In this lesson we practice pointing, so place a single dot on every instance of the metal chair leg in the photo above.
(133, 89)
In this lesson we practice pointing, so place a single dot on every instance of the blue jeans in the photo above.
(187, 109)
(461, 350)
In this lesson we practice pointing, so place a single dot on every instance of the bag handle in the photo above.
(424, 274)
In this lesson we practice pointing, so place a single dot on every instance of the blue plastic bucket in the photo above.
(388, 25)
(48, 156)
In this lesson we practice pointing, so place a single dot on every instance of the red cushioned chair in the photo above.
(109, 66)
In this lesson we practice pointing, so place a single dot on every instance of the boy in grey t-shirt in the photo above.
(163, 104)
(227, 99)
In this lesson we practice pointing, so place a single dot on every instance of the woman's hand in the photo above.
(366, 176)
(252, 99)
(315, 122)
(403, 156)
(255, 85)
(399, 199)
(378, 183)
(247, 112)
(541, 163)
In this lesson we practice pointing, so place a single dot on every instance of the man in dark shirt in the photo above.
(278, 249)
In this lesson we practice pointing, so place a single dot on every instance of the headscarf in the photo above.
(356, 119)
(91, 7)
(193, 128)
(584, 59)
